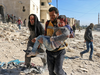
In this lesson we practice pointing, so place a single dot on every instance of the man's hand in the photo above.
(68, 36)
(40, 40)
(33, 40)
(91, 40)
(51, 39)
(84, 41)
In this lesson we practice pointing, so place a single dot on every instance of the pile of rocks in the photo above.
(13, 41)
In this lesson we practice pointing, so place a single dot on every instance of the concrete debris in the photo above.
(13, 41)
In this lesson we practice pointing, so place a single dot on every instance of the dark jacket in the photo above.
(88, 34)
(74, 28)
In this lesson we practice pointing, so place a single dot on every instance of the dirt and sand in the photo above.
(13, 41)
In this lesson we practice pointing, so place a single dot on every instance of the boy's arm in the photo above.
(63, 36)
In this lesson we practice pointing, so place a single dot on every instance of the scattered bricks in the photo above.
(1, 36)
(98, 54)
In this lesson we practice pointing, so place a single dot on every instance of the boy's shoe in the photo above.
(81, 55)
(27, 51)
(90, 59)
(32, 54)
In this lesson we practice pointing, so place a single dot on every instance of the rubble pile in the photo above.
(13, 41)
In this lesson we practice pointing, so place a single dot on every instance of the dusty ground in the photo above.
(11, 48)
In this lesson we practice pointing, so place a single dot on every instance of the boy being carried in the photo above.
(61, 33)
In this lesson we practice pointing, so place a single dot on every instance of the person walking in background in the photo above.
(24, 22)
(15, 19)
(19, 22)
(8, 18)
(89, 41)
(79, 29)
(12, 18)
(74, 28)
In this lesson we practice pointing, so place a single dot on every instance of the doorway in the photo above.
(1, 13)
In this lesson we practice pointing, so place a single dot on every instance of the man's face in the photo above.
(60, 23)
(53, 15)
(32, 20)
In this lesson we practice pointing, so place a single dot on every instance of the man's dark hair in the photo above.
(67, 22)
(53, 9)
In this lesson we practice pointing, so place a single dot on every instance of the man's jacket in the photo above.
(88, 34)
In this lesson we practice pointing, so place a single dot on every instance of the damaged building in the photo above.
(22, 8)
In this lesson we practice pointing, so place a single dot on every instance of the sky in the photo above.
(84, 10)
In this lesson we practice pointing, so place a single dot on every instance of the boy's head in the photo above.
(61, 20)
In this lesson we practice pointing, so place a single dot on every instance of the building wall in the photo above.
(97, 27)
(46, 5)
(15, 7)
(44, 16)
(44, 10)
(35, 7)
(73, 21)
(77, 22)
